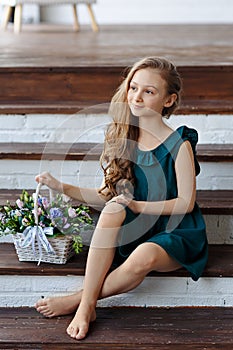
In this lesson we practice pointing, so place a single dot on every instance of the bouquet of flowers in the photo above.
(36, 220)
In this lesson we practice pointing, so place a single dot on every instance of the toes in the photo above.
(48, 314)
(42, 309)
(70, 331)
(77, 333)
(40, 302)
(82, 333)
(45, 311)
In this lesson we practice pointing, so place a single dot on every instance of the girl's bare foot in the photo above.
(57, 306)
(79, 326)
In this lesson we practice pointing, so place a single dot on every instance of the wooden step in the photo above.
(215, 152)
(51, 151)
(211, 202)
(220, 264)
(215, 202)
(67, 80)
(64, 90)
(92, 151)
(122, 328)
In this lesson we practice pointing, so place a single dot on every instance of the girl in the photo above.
(149, 220)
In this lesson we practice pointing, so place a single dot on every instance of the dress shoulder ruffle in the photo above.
(170, 146)
(188, 134)
(191, 135)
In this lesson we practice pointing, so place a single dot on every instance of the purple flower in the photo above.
(55, 213)
(39, 201)
(45, 202)
(66, 226)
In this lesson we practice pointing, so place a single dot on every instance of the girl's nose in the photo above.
(138, 96)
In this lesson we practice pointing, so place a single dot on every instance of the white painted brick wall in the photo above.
(82, 127)
(211, 128)
(219, 229)
(154, 291)
(215, 176)
(21, 173)
(52, 128)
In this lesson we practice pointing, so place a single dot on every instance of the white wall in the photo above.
(154, 291)
(139, 12)
(147, 12)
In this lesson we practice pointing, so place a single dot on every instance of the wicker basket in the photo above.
(62, 245)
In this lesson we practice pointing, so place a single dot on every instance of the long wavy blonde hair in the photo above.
(122, 133)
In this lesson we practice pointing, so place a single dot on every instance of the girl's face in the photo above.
(147, 93)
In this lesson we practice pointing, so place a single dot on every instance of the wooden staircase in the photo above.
(120, 327)
(168, 311)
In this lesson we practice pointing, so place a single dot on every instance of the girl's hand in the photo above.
(125, 200)
(50, 181)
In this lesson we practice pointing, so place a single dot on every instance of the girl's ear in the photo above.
(171, 99)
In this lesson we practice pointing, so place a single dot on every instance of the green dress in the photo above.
(182, 236)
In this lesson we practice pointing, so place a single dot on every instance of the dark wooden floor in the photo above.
(122, 328)
(119, 45)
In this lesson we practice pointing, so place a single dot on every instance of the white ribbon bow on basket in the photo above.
(36, 233)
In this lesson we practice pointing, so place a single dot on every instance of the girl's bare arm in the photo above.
(90, 196)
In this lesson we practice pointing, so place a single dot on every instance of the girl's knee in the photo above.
(152, 257)
(108, 226)
(113, 212)
(141, 262)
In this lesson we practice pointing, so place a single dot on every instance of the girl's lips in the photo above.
(138, 107)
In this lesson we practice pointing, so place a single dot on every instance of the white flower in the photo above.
(25, 222)
(19, 203)
(18, 213)
(72, 213)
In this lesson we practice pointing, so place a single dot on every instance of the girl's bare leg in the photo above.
(145, 258)
(100, 257)
(126, 277)
(103, 238)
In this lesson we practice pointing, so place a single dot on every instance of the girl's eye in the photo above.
(133, 88)
(149, 92)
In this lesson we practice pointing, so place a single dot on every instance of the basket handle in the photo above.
(36, 202)
(51, 195)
